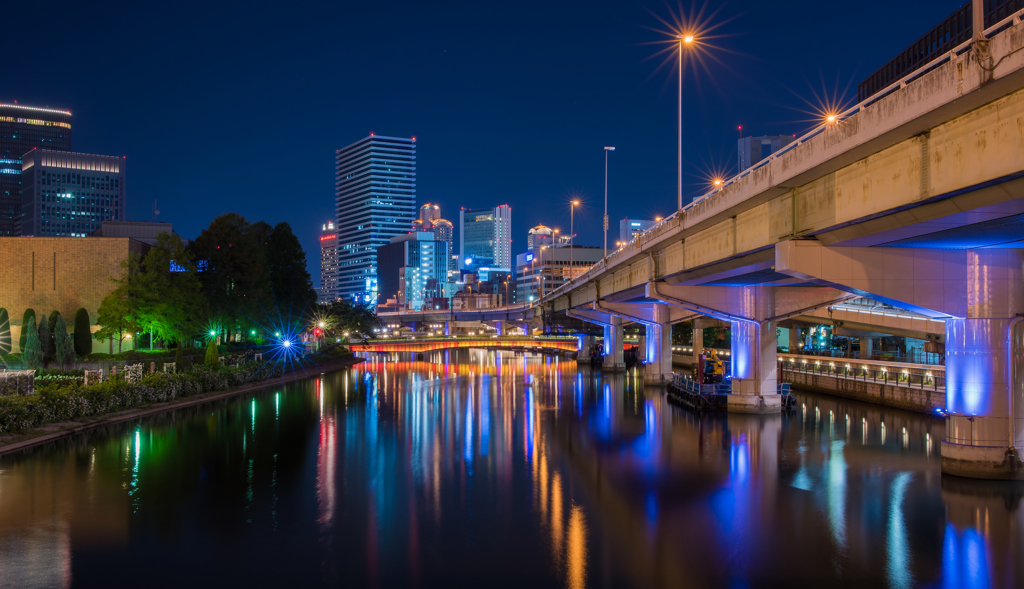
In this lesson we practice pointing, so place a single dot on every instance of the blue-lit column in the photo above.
(984, 367)
(613, 345)
(448, 328)
(753, 354)
(500, 326)
(658, 352)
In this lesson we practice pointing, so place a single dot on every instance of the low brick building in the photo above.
(60, 273)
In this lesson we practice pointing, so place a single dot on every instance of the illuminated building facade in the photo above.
(375, 200)
(538, 236)
(70, 194)
(22, 129)
(328, 290)
(413, 268)
(486, 233)
(630, 228)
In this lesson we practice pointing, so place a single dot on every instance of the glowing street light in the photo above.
(213, 333)
(286, 343)
(606, 150)
(572, 234)
(685, 39)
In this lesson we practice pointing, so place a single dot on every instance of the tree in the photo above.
(233, 271)
(170, 301)
(212, 356)
(45, 341)
(32, 353)
(29, 316)
(118, 313)
(5, 332)
(357, 320)
(179, 358)
(64, 348)
(289, 279)
(83, 334)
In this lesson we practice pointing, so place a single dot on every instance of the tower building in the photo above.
(70, 194)
(22, 129)
(375, 200)
(328, 263)
(486, 233)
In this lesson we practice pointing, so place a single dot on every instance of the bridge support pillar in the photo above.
(613, 345)
(448, 328)
(754, 347)
(698, 343)
(500, 326)
(985, 371)
(794, 340)
(658, 348)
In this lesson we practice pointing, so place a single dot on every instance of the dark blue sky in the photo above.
(239, 107)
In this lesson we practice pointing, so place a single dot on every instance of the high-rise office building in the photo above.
(328, 291)
(538, 236)
(486, 233)
(375, 200)
(22, 129)
(412, 268)
(70, 194)
(754, 149)
(630, 228)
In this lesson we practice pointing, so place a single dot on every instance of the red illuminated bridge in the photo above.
(428, 345)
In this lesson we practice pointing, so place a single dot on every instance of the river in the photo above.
(499, 469)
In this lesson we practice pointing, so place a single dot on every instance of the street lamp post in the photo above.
(572, 234)
(683, 39)
(606, 150)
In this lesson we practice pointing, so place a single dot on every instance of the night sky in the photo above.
(239, 107)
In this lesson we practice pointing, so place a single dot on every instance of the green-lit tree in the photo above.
(64, 347)
(179, 358)
(212, 356)
(118, 313)
(83, 333)
(5, 332)
(32, 353)
(29, 316)
(45, 340)
(170, 301)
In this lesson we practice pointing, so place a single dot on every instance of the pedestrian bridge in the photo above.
(432, 344)
(914, 197)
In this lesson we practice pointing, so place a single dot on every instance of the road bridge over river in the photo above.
(914, 197)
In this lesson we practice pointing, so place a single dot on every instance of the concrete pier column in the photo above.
(500, 326)
(613, 345)
(448, 328)
(866, 344)
(984, 369)
(583, 347)
(658, 350)
(794, 340)
(698, 343)
(753, 359)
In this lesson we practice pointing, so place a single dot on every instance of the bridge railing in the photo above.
(880, 93)
(875, 373)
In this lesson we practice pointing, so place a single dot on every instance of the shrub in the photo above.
(212, 356)
(28, 317)
(33, 353)
(64, 348)
(45, 341)
(83, 333)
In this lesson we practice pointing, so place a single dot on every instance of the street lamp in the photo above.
(572, 233)
(606, 150)
(686, 39)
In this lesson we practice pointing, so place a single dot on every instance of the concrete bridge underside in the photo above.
(914, 198)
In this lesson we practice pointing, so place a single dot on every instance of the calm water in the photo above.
(499, 469)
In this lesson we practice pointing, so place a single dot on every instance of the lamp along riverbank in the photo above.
(76, 399)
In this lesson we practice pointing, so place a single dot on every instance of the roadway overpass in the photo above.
(914, 197)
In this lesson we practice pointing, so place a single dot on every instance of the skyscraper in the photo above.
(22, 129)
(328, 263)
(486, 233)
(375, 200)
(413, 269)
(70, 194)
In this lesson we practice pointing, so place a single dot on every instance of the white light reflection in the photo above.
(897, 549)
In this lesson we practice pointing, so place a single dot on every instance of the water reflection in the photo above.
(476, 467)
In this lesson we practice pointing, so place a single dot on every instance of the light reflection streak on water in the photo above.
(898, 552)
(964, 559)
(836, 489)
(576, 553)
(135, 473)
(485, 416)
(468, 435)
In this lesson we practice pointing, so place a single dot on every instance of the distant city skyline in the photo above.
(506, 106)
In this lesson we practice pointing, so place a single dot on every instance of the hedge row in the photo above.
(69, 401)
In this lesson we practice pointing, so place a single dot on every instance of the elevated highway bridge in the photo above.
(914, 197)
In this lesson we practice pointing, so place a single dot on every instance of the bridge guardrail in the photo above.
(882, 374)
